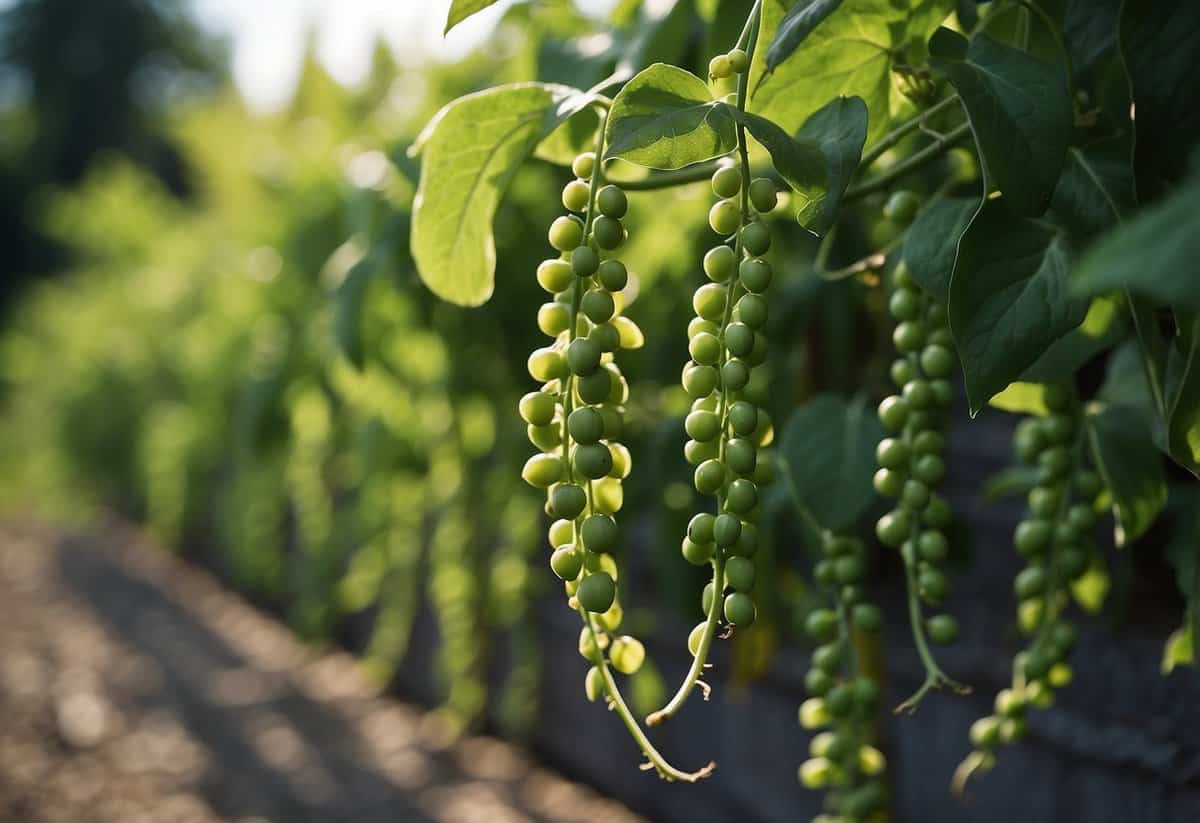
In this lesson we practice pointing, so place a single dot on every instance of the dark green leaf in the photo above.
(799, 21)
(347, 311)
(1019, 109)
(665, 118)
(1009, 298)
(1095, 191)
(1104, 326)
(932, 243)
(1181, 551)
(1090, 29)
(1160, 48)
(850, 54)
(1153, 255)
(460, 10)
(799, 161)
(1183, 393)
(1126, 457)
(838, 130)
(469, 153)
(828, 452)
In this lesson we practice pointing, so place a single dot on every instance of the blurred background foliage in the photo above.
(212, 325)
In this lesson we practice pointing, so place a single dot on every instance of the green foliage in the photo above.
(460, 10)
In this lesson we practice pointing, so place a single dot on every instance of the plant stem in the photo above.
(935, 149)
(904, 129)
(718, 582)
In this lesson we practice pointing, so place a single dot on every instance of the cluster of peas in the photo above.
(1054, 538)
(910, 461)
(844, 700)
(726, 430)
(576, 418)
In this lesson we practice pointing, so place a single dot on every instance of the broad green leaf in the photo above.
(460, 10)
(799, 161)
(1009, 298)
(932, 243)
(851, 53)
(666, 118)
(1022, 398)
(1183, 393)
(1179, 650)
(469, 153)
(1124, 453)
(569, 140)
(838, 130)
(1090, 29)
(1104, 326)
(828, 452)
(1125, 380)
(1153, 255)
(797, 24)
(1095, 191)
(1160, 49)
(1019, 109)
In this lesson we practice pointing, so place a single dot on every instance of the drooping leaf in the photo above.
(851, 53)
(838, 130)
(1153, 255)
(1124, 453)
(1095, 191)
(1021, 398)
(1020, 112)
(828, 451)
(1090, 29)
(797, 24)
(1160, 49)
(1103, 327)
(1009, 298)
(666, 118)
(460, 10)
(931, 244)
(799, 161)
(469, 153)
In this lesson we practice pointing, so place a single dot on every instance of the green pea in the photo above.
(709, 477)
(597, 592)
(763, 195)
(739, 339)
(929, 469)
(575, 196)
(902, 206)
(697, 553)
(593, 461)
(612, 275)
(1073, 561)
(892, 453)
(566, 233)
(724, 217)
(583, 356)
(547, 364)
(908, 337)
(547, 438)
(821, 625)
(818, 682)
(598, 306)
(726, 530)
(848, 569)
(918, 394)
(943, 629)
(739, 61)
(585, 425)
(568, 501)
(605, 336)
(1030, 582)
(929, 442)
(1028, 440)
(757, 355)
(700, 528)
(709, 301)
(1089, 484)
(735, 374)
(742, 496)
(1032, 537)
(739, 572)
(892, 529)
(566, 562)
(756, 238)
(702, 425)
(902, 277)
(743, 417)
(739, 609)
(542, 470)
(915, 495)
(751, 309)
(937, 361)
(584, 164)
(699, 381)
(747, 543)
(537, 408)
(1055, 462)
(696, 452)
(741, 456)
(867, 617)
(1059, 428)
(553, 319)
(554, 275)
(599, 533)
(755, 275)
(705, 349)
(719, 263)
(893, 412)
(612, 202)
(937, 513)
(727, 182)
(595, 388)
(932, 546)
(889, 483)
(901, 371)
(905, 304)
(608, 233)
(932, 585)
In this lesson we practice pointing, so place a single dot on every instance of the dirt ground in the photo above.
(134, 689)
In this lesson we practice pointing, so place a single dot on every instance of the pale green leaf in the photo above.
(460, 10)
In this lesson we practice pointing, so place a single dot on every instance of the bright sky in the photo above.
(269, 35)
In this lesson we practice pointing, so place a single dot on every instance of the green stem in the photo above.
(903, 130)
(718, 582)
(935, 149)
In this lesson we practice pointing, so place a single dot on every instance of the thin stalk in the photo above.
(903, 130)
(934, 150)
(699, 661)
(675, 177)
